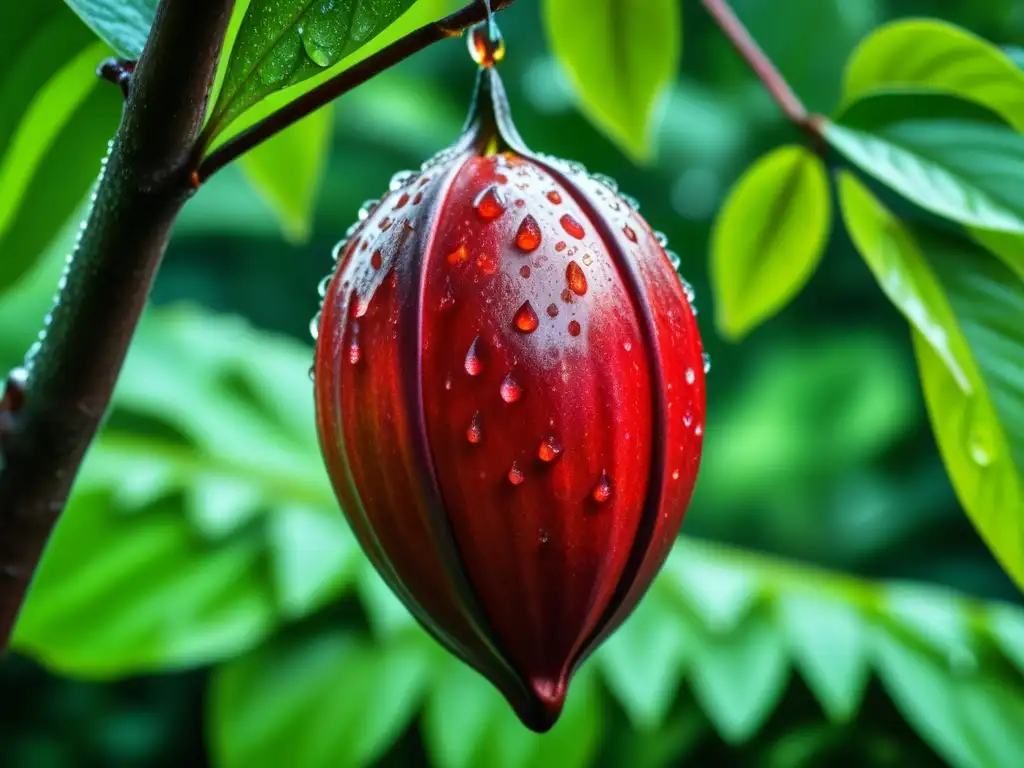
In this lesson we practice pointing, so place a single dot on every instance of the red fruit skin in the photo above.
(521, 501)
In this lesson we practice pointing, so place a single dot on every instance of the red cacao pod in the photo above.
(510, 401)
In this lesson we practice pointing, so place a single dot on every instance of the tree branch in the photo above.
(400, 50)
(763, 67)
(72, 373)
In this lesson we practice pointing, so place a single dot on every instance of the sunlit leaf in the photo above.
(721, 596)
(829, 644)
(53, 133)
(307, 701)
(620, 56)
(933, 54)
(962, 169)
(283, 42)
(903, 274)
(769, 237)
(287, 170)
(123, 24)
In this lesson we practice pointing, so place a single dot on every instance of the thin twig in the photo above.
(763, 67)
(450, 26)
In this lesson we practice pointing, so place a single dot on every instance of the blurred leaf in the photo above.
(769, 237)
(932, 616)
(304, 701)
(116, 594)
(621, 57)
(829, 645)
(53, 151)
(1006, 247)
(903, 274)
(468, 723)
(283, 42)
(643, 661)
(387, 616)
(964, 170)
(287, 170)
(933, 54)
(739, 677)
(217, 420)
(1007, 626)
(122, 24)
(721, 596)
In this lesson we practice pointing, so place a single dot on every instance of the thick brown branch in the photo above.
(763, 67)
(72, 375)
(400, 50)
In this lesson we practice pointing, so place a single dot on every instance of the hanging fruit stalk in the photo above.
(510, 400)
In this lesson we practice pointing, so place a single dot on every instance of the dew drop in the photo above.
(474, 365)
(528, 237)
(550, 449)
(573, 227)
(314, 326)
(552, 310)
(675, 475)
(576, 279)
(524, 270)
(355, 352)
(707, 362)
(400, 203)
(554, 197)
(486, 263)
(448, 383)
(587, 259)
(566, 295)
(385, 224)
(662, 238)
(690, 376)
(490, 203)
(574, 328)
(399, 180)
(486, 45)
(603, 490)
(560, 246)
(510, 389)
(628, 346)
(366, 209)
(699, 430)
(322, 286)
(542, 536)
(365, 244)
(515, 475)
(691, 295)
(687, 418)
(418, 199)
(674, 259)
(520, 203)
(629, 233)
(474, 432)
(526, 319)
(377, 259)
(448, 297)
(459, 256)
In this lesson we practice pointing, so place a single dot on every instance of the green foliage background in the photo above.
(202, 601)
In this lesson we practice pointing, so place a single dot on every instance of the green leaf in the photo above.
(620, 56)
(981, 435)
(53, 152)
(213, 424)
(769, 237)
(829, 644)
(739, 677)
(116, 593)
(720, 596)
(964, 169)
(1008, 248)
(305, 701)
(283, 42)
(936, 55)
(1007, 625)
(643, 661)
(903, 274)
(468, 723)
(286, 171)
(123, 24)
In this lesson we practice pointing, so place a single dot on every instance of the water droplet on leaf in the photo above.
(526, 319)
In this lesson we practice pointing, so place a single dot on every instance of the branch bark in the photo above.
(72, 374)
(767, 73)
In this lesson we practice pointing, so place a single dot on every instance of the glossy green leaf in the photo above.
(769, 237)
(964, 170)
(933, 54)
(283, 42)
(286, 171)
(981, 435)
(620, 56)
(643, 662)
(739, 677)
(123, 24)
(829, 644)
(52, 154)
(305, 701)
(903, 273)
